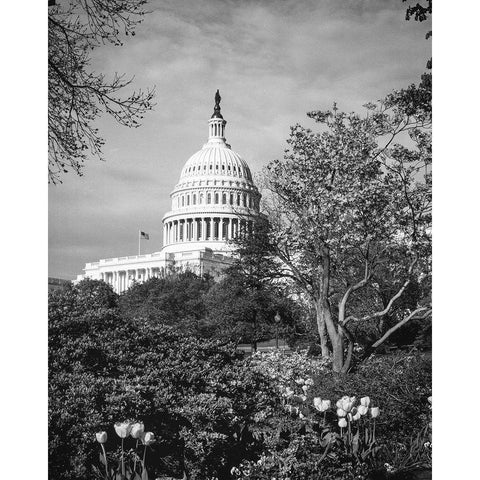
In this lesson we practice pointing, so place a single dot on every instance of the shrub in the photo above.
(196, 394)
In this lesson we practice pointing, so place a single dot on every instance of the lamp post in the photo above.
(277, 319)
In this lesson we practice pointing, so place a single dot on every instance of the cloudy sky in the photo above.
(272, 60)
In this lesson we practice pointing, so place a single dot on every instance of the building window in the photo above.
(201, 198)
(238, 199)
(188, 199)
(224, 198)
(194, 199)
(216, 198)
(244, 200)
(183, 201)
(209, 198)
(231, 199)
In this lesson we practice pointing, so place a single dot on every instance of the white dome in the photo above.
(215, 197)
(217, 160)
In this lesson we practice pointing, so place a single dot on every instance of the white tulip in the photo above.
(357, 416)
(341, 412)
(148, 438)
(326, 404)
(346, 403)
(362, 409)
(123, 429)
(342, 423)
(101, 437)
(374, 412)
(137, 430)
(365, 401)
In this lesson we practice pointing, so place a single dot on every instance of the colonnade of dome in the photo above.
(202, 229)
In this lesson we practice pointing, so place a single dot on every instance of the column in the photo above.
(223, 233)
(164, 233)
(195, 229)
(212, 229)
(229, 235)
(204, 228)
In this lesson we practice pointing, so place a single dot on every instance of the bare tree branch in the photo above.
(78, 96)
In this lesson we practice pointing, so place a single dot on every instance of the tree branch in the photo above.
(390, 303)
(401, 323)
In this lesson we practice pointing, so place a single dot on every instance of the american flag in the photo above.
(144, 235)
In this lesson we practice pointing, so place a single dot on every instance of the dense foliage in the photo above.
(216, 414)
(176, 300)
(196, 395)
(303, 441)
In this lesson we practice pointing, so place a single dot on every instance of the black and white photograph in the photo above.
(239, 220)
(240, 229)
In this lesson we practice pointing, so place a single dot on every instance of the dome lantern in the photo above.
(216, 124)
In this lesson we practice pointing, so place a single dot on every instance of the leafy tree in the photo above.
(176, 299)
(256, 272)
(77, 95)
(345, 202)
(238, 312)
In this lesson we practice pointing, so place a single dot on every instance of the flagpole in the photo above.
(139, 243)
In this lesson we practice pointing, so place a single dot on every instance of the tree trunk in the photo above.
(254, 341)
(337, 365)
(322, 328)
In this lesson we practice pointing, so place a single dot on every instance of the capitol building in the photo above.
(214, 200)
